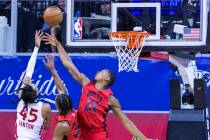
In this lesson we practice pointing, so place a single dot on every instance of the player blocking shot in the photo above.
(33, 116)
(95, 101)
(65, 125)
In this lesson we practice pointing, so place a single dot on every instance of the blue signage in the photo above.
(147, 90)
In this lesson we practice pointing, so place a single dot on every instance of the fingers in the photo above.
(36, 34)
(48, 35)
(46, 39)
(44, 61)
(42, 37)
(49, 39)
(39, 34)
(48, 61)
(50, 57)
(47, 43)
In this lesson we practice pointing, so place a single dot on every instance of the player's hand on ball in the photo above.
(50, 39)
(38, 38)
(49, 63)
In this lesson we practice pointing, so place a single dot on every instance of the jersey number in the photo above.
(91, 105)
(32, 113)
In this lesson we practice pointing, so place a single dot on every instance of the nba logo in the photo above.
(78, 28)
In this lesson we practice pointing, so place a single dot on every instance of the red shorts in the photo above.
(93, 134)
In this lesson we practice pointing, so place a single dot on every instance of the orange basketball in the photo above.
(53, 15)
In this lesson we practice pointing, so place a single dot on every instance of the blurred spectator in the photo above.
(28, 22)
(100, 31)
(5, 4)
(190, 13)
(106, 9)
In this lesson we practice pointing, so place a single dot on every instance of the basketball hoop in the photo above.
(128, 45)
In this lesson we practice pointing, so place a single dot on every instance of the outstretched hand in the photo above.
(49, 63)
(38, 38)
(50, 39)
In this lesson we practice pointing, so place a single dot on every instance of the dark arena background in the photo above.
(167, 99)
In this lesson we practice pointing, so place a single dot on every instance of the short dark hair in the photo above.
(28, 94)
(112, 78)
(64, 103)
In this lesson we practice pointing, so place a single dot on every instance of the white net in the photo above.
(128, 50)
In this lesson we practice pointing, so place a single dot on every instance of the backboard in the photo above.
(158, 17)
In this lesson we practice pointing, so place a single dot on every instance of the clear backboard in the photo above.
(172, 24)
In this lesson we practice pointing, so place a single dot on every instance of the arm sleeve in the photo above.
(31, 63)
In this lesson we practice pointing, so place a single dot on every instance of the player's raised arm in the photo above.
(49, 64)
(32, 61)
(127, 123)
(66, 60)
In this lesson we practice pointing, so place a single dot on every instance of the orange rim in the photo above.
(135, 38)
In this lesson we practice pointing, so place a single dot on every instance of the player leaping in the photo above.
(65, 123)
(32, 115)
(95, 99)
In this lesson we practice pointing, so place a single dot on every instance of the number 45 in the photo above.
(32, 113)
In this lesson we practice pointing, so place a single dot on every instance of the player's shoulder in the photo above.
(108, 92)
(88, 83)
(46, 109)
(113, 101)
(63, 126)
(84, 79)
(46, 106)
(112, 98)
(21, 102)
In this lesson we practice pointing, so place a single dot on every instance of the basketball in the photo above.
(53, 15)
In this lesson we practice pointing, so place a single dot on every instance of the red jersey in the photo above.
(71, 118)
(93, 108)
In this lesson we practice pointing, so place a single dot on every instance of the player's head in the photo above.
(106, 77)
(63, 104)
(29, 93)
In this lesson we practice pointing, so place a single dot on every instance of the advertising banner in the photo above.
(144, 96)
